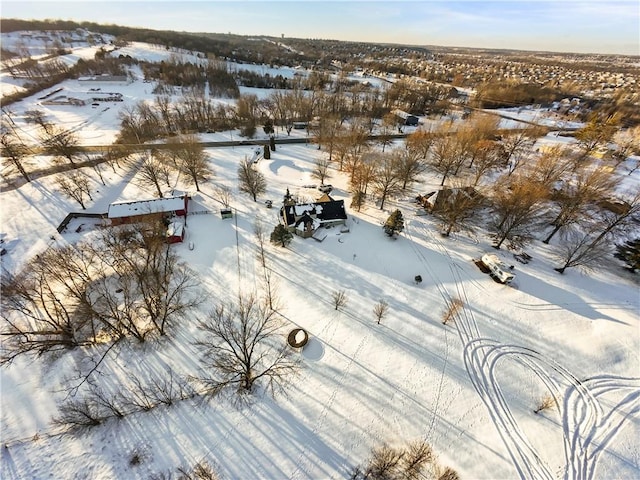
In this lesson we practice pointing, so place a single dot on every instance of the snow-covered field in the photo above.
(468, 388)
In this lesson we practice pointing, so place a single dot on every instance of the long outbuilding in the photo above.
(135, 211)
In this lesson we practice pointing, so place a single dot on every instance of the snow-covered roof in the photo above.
(145, 207)
(315, 223)
(308, 207)
(175, 229)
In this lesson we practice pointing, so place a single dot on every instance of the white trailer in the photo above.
(497, 268)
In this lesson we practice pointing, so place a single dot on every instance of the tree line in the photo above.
(556, 190)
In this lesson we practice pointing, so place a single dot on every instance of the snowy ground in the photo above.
(468, 388)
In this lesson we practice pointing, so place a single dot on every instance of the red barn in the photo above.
(175, 232)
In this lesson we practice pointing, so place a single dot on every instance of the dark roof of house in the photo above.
(324, 211)
(305, 218)
(332, 210)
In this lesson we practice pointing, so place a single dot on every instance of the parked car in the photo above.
(325, 188)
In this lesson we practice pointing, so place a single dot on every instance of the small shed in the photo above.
(406, 118)
(411, 120)
(175, 232)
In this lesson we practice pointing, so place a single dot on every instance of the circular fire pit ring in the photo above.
(297, 338)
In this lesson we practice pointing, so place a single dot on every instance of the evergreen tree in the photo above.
(394, 224)
(281, 235)
(629, 253)
(268, 126)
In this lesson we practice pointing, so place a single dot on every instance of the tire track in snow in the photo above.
(594, 437)
(587, 429)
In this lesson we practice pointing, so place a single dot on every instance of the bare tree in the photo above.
(448, 474)
(248, 109)
(445, 155)
(61, 143)
(42, 308)
(192, 160)
(581, 249)
(321, 170)
(139, 123)
(386, 181)
(163, 288)
(409, 166)
(242, 349)
(474, 133)
(81, 413)
(585, 247)
(110, 403)
(383, 464)
(487, 155)
(545, 403)
(326, 132)
(251, 181)
(455, 207)
(341, 151)
(420, 142)
(223, 194)
(339, 299)
(154, 171)
(576, 194)
(417, 457)
(356, 139)
(552, 165)
(145, 395)
(517, 206)
(13, 148)
(518, 145)
(75, 185)
(454, 306)
(386, 129)
(110, 289)
(627, 143)
(410, 462)
(380, 310)
(270, 285)
(362, 173)
(200, 471)
(597, 132)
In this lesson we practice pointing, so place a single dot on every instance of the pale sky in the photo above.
(582, 26)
